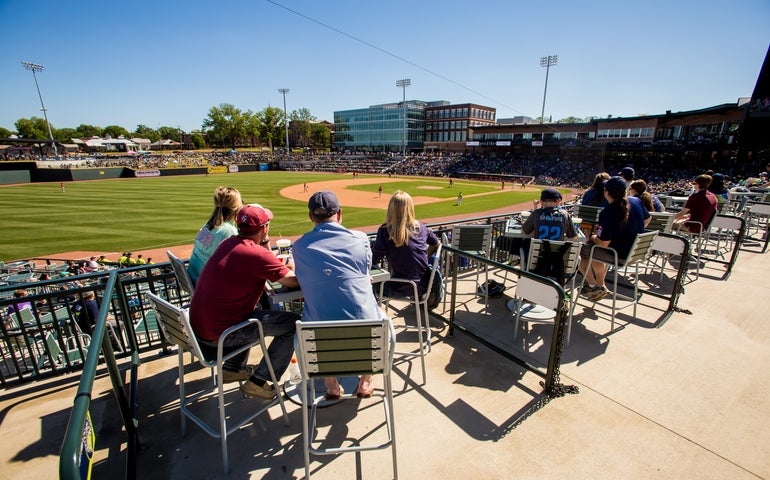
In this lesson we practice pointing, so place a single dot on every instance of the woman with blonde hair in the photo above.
(406, 243)
(221, 225)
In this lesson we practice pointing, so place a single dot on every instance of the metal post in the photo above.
(547, 62)
(39, 68)
(403, 84)
(284, 91)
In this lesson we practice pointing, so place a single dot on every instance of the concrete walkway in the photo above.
(686, 399)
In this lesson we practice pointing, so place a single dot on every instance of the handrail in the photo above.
(76, 456)
(551, 375)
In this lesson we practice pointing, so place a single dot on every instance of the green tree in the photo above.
(34, 128)
(198, 140)
(171, 133)
(143, 131)
(115, 131)
(321, 136)
(65, 135)
(88, 131)
(271, 126)
(5, 133)
(225, 125)
(571, 120)
(300, 127)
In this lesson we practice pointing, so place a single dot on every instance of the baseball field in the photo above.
(145, 214)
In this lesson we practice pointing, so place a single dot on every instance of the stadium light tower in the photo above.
(547, 62)
(284, 91)
(403, 84)
(39, 68)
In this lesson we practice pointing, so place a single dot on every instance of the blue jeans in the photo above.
(279, 325)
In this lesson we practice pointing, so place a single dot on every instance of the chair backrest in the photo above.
(537, 292)
(472, 238)
(434, 266)
(588, 213)
(537, 252)
(661, 221)
(180, 271)
(345, 347)
(175, 323)
(727, 222)
(642, 248)
(760, 209)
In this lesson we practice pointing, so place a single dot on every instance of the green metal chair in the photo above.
(175, 323)
(344, 348)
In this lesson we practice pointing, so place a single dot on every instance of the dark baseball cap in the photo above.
(550, 194)
(627, 172)
(323, 204)
(615, 185)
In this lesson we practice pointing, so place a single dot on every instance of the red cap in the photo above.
(252, 217)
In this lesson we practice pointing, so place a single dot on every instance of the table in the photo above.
(278, 294)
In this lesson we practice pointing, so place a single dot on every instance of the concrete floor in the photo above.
(686, 399)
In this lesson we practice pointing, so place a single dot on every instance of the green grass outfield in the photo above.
(160, 212)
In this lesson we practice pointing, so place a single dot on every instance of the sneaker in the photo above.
(588, 291)
(599, 293)
(251, 389)
(230, 376)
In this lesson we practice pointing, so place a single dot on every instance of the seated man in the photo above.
(228, 292)
(701, 207)
(333, 267)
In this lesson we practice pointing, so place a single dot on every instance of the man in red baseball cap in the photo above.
(228, 292)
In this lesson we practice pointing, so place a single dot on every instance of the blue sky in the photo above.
(166, 63)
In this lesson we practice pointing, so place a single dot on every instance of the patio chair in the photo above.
(537, 253)
(589, 216)
(476, 240)
(72, 350)
(661, 222)
(640, 252)
(758, 218)
(183, 279)
(344, 348)
(422, 315)
(175, 323)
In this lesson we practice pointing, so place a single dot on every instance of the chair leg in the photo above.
(182, 397)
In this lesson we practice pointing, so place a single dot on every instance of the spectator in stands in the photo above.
(220, 225)
(17, 306)
(550, 221)
(406, 243)
(228, 291)
(93, 264)
(628, 174)
(700, 207)
(718, 188)
(140, 260)
(594, 196)
(619, 223)
(650, 201)
(332, 266)
(123, 260)
(87, 312)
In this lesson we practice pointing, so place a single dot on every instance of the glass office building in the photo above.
(380, 128)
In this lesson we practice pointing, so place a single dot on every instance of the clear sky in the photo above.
(166, 63)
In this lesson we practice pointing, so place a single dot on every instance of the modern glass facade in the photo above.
(380, 128)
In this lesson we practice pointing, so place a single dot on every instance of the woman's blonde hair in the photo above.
(400, 221)
(227, 203)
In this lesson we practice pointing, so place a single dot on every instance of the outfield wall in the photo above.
(14, 176)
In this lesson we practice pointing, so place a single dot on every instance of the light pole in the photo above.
(284, 91)
(403, 84)
(547, 62)
(39, 68)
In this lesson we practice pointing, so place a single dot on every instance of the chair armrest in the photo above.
(242, 348)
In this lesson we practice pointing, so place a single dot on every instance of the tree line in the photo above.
(225, 126)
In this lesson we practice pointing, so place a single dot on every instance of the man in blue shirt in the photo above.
(332, 265)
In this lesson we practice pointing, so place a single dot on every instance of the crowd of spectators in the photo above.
(575, 168)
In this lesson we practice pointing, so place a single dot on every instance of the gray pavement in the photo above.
(686, 399)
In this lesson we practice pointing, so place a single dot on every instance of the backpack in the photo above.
(551, 262)
(492, 288)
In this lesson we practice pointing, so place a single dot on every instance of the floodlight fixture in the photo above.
(284, 91)
(403, 83)
(547, 62)
(34, 67)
